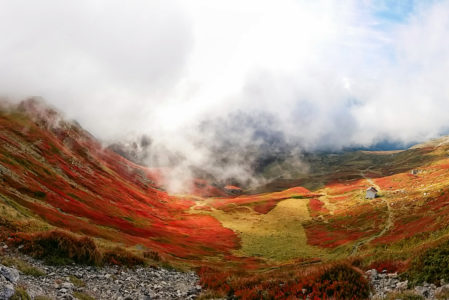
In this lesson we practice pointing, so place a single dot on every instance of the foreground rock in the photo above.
(68, 282)
(389, 283)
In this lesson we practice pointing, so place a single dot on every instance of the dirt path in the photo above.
(388, 223)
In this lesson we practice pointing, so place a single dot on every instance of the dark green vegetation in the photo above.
(82, 296)
(22, 266)
(61, 248)
(314, 170)
(20, 294)
(431, 265)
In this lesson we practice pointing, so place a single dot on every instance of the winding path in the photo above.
(388, 223)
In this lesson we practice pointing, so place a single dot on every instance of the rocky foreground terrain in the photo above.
(40, 281)
(386, 285)
(86, 282)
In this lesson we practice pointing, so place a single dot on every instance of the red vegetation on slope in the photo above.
(316, 207)
(290, 282)
(389, 265)
(338, 188)
(345, 226)
(262, 203)
(63, 175)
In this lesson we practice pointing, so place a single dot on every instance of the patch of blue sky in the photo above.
(394, 11)
(388, 14)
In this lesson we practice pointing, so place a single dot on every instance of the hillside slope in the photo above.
(55, 174)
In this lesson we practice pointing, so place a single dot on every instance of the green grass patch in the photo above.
(20, 294)
(82, 296)
(76, 281)
(22, 266)
(431, 265)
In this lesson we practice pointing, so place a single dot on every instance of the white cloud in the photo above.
(332, 73)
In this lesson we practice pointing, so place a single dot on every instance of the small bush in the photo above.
(333, 282)
(408, 295)
(430, 266)
(58, 247)
(61, 248)
(389, 265)
(119, 256)
(20, 294)
(82, 296)
(22, 266)
(343, 282)
(442, 295)
(76, 281)
(153, 255)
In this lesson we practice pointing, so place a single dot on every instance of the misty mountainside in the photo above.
(308, 220)
(268, 160)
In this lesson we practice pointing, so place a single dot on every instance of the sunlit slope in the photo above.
(55, 174)
(336, 221)
(315, 170)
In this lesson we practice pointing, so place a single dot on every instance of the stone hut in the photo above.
(371, 193)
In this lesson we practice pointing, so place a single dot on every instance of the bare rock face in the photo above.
(6, 289)
(10, 274)
(8, 277)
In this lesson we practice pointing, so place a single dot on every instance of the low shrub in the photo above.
(58, 247)
(390, 266)
(340, 281)
(20, 294)
(61, 248)
(82, 296)
(119, 256)
(22, 266)
(42, 298)
(153, 255)
(77, 282)
(430, 266)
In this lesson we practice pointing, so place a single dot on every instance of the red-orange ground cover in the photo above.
(344, 227)
(63, 175)
(262, 203)
(316, 207)
(338, 188)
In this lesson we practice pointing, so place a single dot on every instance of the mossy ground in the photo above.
(278, 235)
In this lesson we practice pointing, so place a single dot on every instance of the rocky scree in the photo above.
(389, 283)
(111, 282)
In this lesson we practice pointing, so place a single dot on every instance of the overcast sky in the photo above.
(333, 73)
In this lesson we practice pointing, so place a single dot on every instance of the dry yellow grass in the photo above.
(277, 235)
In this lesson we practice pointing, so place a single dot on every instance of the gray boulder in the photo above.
(12, 275)
(6, 289)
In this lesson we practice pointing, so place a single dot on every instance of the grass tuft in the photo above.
(60, 248)
(20, 294)
(22, 266)
(430, 266)
(82, 296)
(122, 257)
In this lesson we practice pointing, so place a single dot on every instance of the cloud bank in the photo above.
(320, 74)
